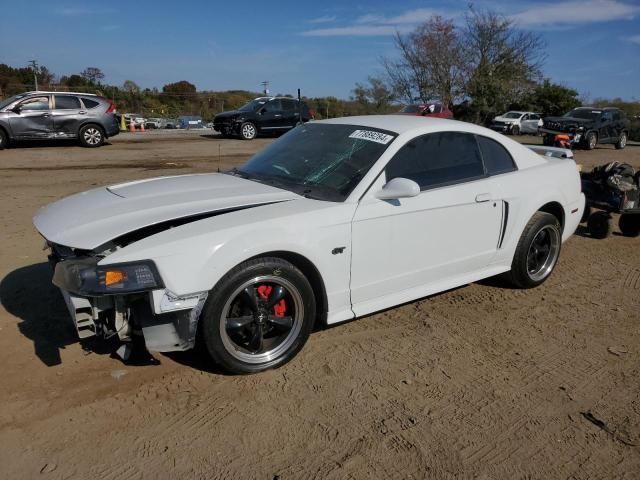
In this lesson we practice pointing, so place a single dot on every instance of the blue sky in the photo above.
(323, 47)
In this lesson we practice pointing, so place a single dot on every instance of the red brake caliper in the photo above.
(280, 308)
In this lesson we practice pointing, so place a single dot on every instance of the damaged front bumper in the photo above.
(167, 322)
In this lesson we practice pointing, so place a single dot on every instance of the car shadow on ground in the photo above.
(27, 293)
(48, 144)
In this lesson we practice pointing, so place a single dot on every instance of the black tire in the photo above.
(4, 139)
(231, 323)
(531, 264)
(91, 136)
(599, 224)
(629, 224)
(590, 140)
(248, 131)
(547, 140)
(586, 213)
(622, 141)
(515, 130)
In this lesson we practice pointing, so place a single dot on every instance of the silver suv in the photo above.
(54, 115)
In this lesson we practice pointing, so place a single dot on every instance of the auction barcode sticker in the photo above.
(372, 136)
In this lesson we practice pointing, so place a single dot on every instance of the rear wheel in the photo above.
(622, 141)
(537, 251)
(586, 213)
(91, 136)
(258, 316)
(629, 224)
(599, 224)
(3, 139)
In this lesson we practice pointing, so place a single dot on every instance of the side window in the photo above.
(525, 117)
(89, 103)
(65, 102)
(289, 105)
(534, 116)
(35, 103)
(273, 106)
(616, 116)
(496, 158)
(437, 159)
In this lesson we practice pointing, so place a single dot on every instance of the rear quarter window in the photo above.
(66, 102)
(496, 158)
(89, 103)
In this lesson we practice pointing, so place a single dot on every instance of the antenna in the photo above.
(265, 87)
(299, 108)
(219, 156)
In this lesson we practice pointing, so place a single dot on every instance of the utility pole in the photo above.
(265, 86)
(34, 66)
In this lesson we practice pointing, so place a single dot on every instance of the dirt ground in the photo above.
(480, 382)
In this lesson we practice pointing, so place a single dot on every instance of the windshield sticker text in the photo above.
(372, 136)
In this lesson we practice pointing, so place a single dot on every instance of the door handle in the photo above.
(45, 115)
(82, 112)
(483, 197)
(277, 115)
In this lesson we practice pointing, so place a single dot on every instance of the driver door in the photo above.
(451, 229)
(33, 119)
(272, 116)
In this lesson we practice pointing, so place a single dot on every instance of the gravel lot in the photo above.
(480, 382)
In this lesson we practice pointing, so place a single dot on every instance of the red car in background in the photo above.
(427, 110)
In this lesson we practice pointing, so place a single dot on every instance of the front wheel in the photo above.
(515, 130)
(629, 224)
(91, 136)
(259, 316)
(591, 140)
(248, 131)
(537, 251)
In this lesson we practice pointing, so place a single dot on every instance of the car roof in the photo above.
(596, 108)
(404, 123)
(45, 92)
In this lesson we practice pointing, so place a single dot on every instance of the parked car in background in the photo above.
(588, 127)
(336, 220)
(154, 123)
(437, 110)
(136, 118)
(55, 115)
(515, 123)
(171, 123)
(190, 121)
(262, 115)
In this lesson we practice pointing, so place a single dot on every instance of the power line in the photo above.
(34, 66)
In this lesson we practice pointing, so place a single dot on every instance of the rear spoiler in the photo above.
(555, 152)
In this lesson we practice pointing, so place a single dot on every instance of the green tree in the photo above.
(553, 99)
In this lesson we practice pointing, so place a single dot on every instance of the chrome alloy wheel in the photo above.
(543, 252)
(93, 136)
(248, 130)
(261, 319)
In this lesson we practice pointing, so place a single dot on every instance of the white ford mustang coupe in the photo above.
(334, 220)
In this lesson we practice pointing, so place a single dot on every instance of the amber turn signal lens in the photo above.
(114, 276)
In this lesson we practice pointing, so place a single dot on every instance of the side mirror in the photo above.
(398, 188)
(262, 110)
(17, 109)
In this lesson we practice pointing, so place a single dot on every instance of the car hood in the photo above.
(505, 119)
(229, 114)
(90, 219)
(565, 121)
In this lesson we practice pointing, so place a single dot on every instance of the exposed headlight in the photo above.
(85, 277)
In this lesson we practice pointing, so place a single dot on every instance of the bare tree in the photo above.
(430, 64)
(92, 74)
(503, 64)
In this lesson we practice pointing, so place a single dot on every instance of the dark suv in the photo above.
(588, 126)
(262, 115)
(55, 115)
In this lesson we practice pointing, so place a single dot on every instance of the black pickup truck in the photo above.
(588, 127)
(262, 115)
